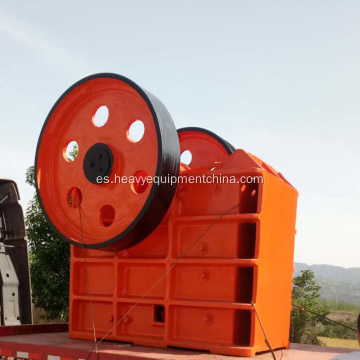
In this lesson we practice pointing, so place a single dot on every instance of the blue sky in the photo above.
(280, 79)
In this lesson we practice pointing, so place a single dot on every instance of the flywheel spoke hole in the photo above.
(106, 215)
(71, 151)
(136, 131)
(140, 183)
(186, 157)
(74, 197)
(101, 116)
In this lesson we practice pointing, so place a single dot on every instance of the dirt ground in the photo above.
(344, 343)
(343, 315)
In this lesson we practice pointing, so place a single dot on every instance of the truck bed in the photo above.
(51, 342)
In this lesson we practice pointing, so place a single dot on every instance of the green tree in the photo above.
(305, 296)
(49, 258)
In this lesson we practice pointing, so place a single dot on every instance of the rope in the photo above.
(263, 330)
(163, 276)
(302, 308)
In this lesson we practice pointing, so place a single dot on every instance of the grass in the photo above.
(354, 311)
(345, 343)
(339, 306)
(343, 315)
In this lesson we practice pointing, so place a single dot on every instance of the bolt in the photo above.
(127, 320)
(204, 248)
(204, 275)
(181, 194)
(207, 319)
(216, 188)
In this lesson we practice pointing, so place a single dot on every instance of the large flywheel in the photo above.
(202, 147)
(99, 194)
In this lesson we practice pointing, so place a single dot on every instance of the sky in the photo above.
(280, 79)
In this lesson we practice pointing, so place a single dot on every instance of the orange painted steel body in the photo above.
(205, 301)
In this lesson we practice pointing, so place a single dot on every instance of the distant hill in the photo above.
(337, 283)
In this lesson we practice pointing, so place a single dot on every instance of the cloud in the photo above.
(36, 40)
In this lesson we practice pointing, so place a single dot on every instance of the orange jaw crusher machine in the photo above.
(157, 261)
